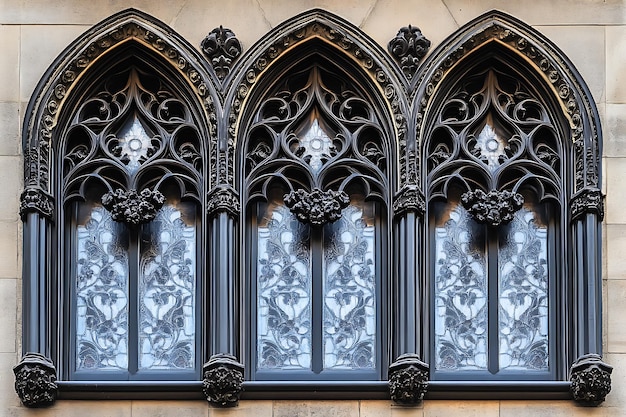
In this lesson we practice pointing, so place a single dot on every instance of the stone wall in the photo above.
(591, 32)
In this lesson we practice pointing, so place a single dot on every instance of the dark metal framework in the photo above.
(401, 136)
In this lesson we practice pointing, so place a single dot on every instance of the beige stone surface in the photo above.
(10, 119)
(584, 46)
(616, 338)
(616, 399)
(461, 408)
(169, 408)
(9, 70)
(7, 380)
(8, 315)
(11, 181)
(616, 64)
(76, 408)
(615, 170)
(552, 409)
(255, 408)
(315, 408)
(538, 12)
(615, 250)
(615, 130)
(39, 47)
(8, 249)
(388, 16)
(388, 409)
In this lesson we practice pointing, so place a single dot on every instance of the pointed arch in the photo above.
(79, 63)
(314, 32)
(510, 146)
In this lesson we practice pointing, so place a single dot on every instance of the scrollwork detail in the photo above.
(317, 207)
(591, 380)
(222, 381)
(132, 207)
(408, 379)
(492, 208)
(222, 47)
(35, 380)
(408, 48)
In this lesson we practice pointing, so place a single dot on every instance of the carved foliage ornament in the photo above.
(223, 199)
(132, 207)
(35, 380)
(492, 208)
(222, 380)
(408, 379)
(589, 200)
(410, 198)
(317, 207)
(222, 48)
(408, 48)
(591, 379)
(34, 200)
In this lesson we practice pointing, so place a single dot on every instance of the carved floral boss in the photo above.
(133, 207)
(493, 208)
(317, 207)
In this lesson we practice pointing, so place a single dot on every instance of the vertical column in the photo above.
(223, 374)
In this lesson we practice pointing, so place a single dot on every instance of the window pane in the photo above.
(461, 326)
(167, 289)
(101, 292)
(283, 291)
(350, 290)
(523, 288)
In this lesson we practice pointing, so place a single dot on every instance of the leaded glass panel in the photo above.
(167, 288)
(101, 292)
(134, 144)
(315, 145)
(523, 294)
(350, 291)
(461, 312)
(283, 291)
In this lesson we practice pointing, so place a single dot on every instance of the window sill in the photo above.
(311, 390)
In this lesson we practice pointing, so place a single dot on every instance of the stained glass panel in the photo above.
(461, 322)
(134, 144)
(523, 298)
(101, 293)
(350, 291)
(167, 288)
(316, 144)
(490, 146)
(283, 291)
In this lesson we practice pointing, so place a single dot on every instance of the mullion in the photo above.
(493, 332)
(133, 302)
(317, 296)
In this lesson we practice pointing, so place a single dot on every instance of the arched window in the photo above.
(314, 171)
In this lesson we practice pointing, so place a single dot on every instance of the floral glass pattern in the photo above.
(350, 291)
(101, 293)
(134, 145)
(167, 292)
(315, 145)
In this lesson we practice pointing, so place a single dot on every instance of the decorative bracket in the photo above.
(34, 200)
(410, 198)
(222, 48)
(492, 208)
(35, 380)
(408, 48)
(591, 380)
(408, 379)
(132, 207)
(222, 380)
(588, 200)
(223, 199)
(317, 207)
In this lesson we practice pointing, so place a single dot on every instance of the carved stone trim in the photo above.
(132, 207)
(223, 199)
(320, 24)
(591, 379)
(408, 379)
(35, 380)
(493, 208)
(589, 200)
(222, 48)
(408, 48)
(34, 200)
(409, 198)
(222, 380)
(317, 207)
(547, 60)
(129, 24)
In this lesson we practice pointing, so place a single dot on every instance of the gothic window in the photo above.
(315, 178)
(494, 188)
(131, 184)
